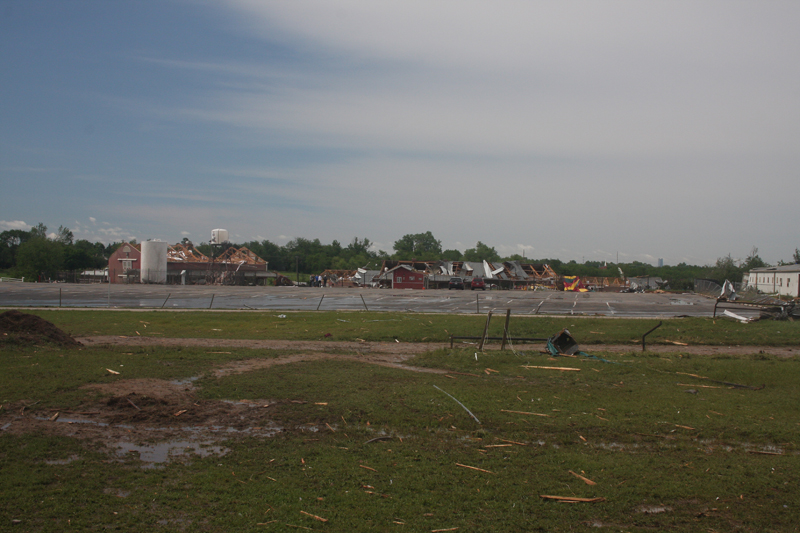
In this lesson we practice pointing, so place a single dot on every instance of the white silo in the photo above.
(154, 262)
(219, 236)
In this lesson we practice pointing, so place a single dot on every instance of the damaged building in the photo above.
(436, 274)
(182, 264)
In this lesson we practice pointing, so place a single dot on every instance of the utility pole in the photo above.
(297, 268)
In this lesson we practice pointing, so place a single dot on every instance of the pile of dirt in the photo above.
(24, 329)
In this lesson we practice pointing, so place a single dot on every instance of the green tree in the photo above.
(452, 255)
(423, 246)
(752, 261)
(481, 252)
(39, 256)
(10, 242)
(39, 230)
(64, 236)
(725, 268)
(796, 256)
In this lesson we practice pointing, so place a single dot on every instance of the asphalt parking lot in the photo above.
(177, 297)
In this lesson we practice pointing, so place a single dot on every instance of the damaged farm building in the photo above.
(437, 274)
(178, 264)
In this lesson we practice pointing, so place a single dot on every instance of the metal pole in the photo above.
(59, 296)
(649, 332)
(477, 305)
(505, 330)
(297, 269)
(165, 301)
(485, 331)
(320, 302)
(365, 303)
(212, 301)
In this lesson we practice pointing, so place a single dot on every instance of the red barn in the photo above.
(405, 277)
(126, 257)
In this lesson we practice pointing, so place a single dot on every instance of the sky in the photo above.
(585, 130)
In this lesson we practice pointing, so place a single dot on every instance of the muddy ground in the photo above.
(162, 420)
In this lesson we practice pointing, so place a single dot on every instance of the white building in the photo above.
(783, 280)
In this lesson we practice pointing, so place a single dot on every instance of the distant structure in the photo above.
(783, 280)
(660, 262)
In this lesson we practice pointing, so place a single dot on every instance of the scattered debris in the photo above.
(740, 318)
(112, 371)
(461, 404)
(315, 517)
(562, 368)
(376, 439)
(585, 480)
(571, 499)
(474, 468)
(524, 413)
(562, 343)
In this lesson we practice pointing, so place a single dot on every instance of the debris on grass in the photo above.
(112, 371)
(474, 468)
(461, 404)
(315, 517)
(562, 368)
(584, 479)
(524, 413)
(571, 499)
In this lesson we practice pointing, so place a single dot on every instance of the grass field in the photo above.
(348, 326)
(658, 442)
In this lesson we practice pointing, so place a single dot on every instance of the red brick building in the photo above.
(405, 277)
(126, 257)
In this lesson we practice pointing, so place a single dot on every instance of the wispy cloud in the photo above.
(14, 224)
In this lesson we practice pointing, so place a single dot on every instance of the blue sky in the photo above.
(576, 130)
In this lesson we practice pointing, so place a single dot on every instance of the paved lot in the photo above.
(310, 299)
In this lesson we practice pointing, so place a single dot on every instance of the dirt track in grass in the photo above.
(399, 352)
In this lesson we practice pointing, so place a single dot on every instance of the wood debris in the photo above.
(315, 517)
(474, 468)
(585, 480)
(561, 368)
(513, 442)
(54, 417)
(684, 427)
(179, 413)
(367, 468)
(524, 413)
(570, 499)
(112, 371)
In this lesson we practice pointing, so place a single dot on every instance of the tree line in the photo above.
(33, 254)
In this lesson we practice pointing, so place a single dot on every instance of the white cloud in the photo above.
(14, 224)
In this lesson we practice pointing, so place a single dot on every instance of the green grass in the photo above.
(348, 326)
(628, 424)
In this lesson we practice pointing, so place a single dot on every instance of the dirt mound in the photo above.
(24, 329)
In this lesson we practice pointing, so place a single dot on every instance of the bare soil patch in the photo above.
(24, 329)
(405, 350)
